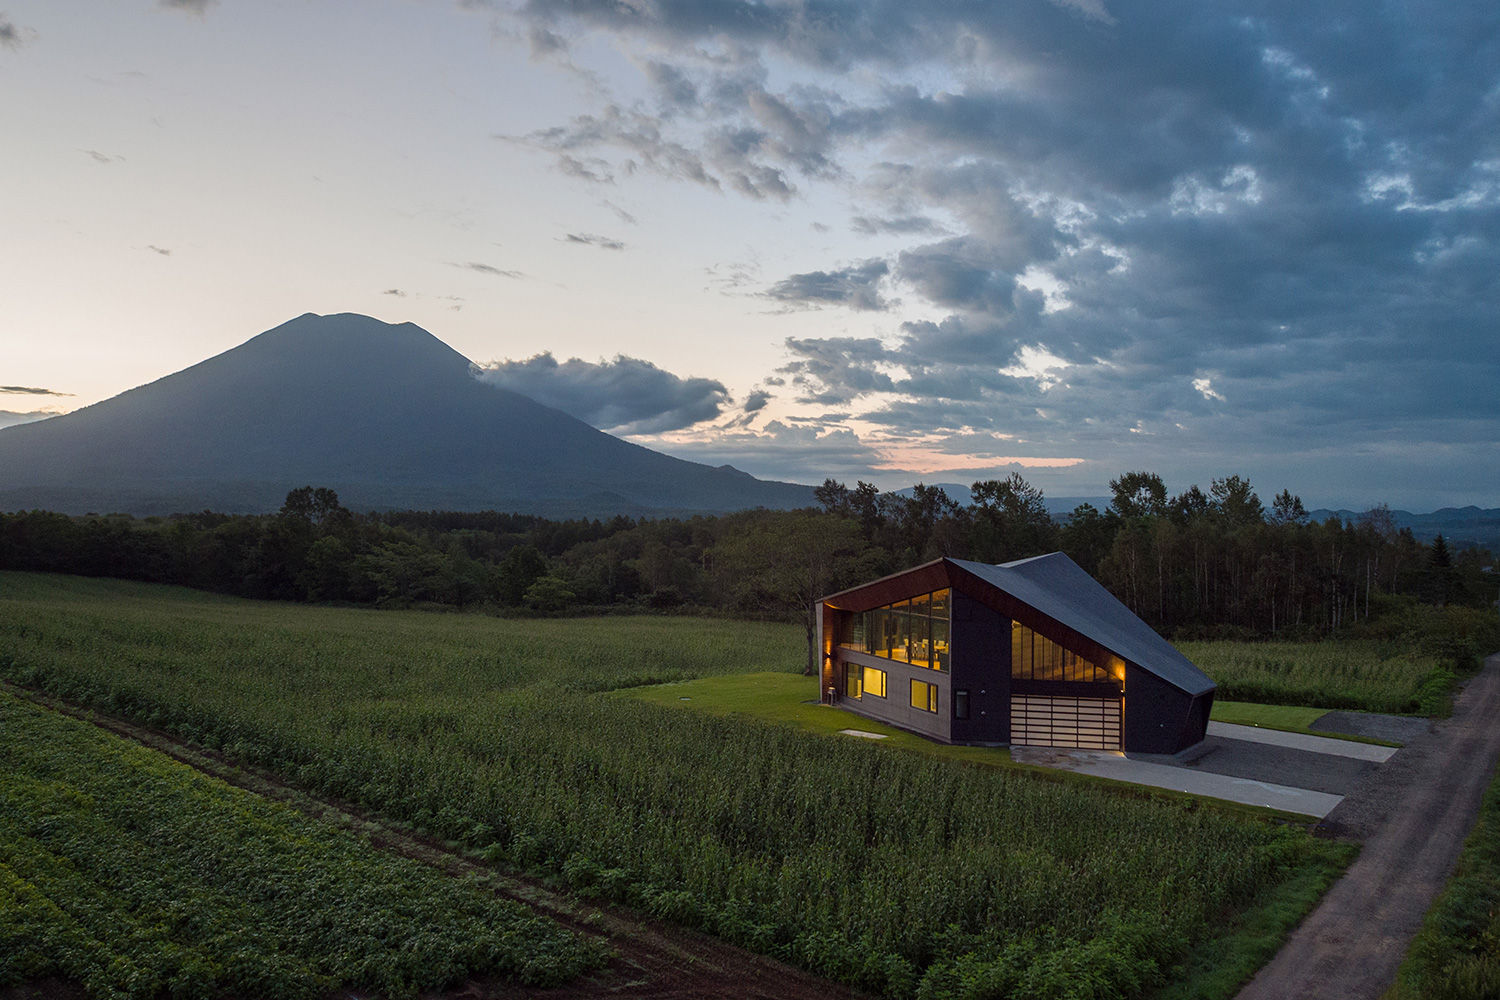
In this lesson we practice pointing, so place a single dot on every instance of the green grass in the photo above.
(1360, 675)
(902, 873)
(1456, 954)
(1286, 718)
(138, 877)
(791, 700)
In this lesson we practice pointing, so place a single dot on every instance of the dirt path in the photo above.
(1413, 814)
(651, 959)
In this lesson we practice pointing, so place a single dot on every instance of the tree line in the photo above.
(1214, 563)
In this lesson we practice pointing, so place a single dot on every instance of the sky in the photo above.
(926, 240)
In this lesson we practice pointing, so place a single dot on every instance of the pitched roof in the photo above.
(1058, 587)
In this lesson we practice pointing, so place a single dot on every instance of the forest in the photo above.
(1198, 564)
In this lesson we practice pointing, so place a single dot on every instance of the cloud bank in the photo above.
(625, 396)
(1246, 233)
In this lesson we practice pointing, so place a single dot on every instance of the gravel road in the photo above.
(1413, 814)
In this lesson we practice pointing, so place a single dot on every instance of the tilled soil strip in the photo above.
(1413, 813)
(651, 959)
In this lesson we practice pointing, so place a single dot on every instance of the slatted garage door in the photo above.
(1054, 721)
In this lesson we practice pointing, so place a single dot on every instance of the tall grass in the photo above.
(894, 872)
(1359, 674)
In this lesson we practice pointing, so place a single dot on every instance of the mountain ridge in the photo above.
(386, 414)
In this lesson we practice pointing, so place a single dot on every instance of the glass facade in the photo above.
(1034, 657)
(924, 696)
(913, 631)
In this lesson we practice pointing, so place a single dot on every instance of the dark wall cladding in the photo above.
(981, 666)
(1070, 696)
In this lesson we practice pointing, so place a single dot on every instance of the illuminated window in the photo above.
(875, 682)
(924, 696)
(1034, 657)
(912, 631)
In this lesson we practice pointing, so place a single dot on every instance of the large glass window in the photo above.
(875, 682)
(914, 631)
(1034, 657)
(852, 686)
(924, 696)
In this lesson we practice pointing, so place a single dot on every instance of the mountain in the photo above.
(1458, 525)
(387, 415)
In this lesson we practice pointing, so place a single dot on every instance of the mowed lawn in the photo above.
(903, 873)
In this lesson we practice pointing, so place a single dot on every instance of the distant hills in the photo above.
(387, 415)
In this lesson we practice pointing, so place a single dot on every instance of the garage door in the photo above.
(1048, 721)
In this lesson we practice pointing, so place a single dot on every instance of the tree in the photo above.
(1138, 494)
(314, 506)
(1232, 499)
(1288, 509)
(833, 496)
(1010, 519)
(1087, 535)
(778, 563)
(1189, 505)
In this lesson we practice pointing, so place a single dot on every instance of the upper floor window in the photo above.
(914, 631)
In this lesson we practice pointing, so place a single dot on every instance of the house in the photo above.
(1027, 653)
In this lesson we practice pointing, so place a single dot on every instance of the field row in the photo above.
(1362, 674)
(138, 877)
(898, 873)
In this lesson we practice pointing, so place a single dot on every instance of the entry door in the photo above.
(1056, 721)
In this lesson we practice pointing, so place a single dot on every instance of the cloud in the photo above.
(99, 157)
(782, 450)
(593, 240)
(623, 396)
(398, 293)
(855, 286)
(26, 390)
(488, 269)
(10, 418)
(1235, 227)
(12, 36)
(837, 370)
(898, 225)
(163, 251)
(199, 7)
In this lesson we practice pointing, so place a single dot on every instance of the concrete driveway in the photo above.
(1260, 767)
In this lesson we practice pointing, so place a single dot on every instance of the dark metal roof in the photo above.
(1059, 588)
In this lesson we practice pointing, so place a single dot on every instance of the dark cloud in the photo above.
(99, 157)
(856, 286)
(488, 269)
(26, 390)
(620, 213)
(594, 240)
(623, 396)
(837, 370)
(905, 225)
(394, 291)
(11, 36)
(757, 400)
(163, 251)
(1238, 229)
(198, 7)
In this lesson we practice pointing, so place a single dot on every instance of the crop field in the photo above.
(895, 872)
(1364, 675)
(137, 876)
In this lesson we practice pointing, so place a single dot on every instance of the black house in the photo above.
(1028, 653)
